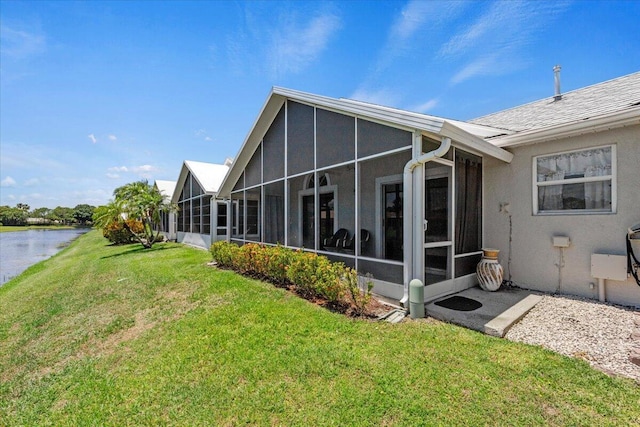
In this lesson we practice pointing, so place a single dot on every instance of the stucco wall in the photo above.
(534, 259)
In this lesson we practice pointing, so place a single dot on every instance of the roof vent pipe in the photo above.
(556, 78)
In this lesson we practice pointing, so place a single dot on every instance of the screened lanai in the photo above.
(201, 217)
(330, 176)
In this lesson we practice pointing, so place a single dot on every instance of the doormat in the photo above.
(459, 303)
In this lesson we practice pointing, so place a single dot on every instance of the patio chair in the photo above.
(336, 241)
(365, 236)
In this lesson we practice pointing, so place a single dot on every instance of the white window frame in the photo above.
(613, 178)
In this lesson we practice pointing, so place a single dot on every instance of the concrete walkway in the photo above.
(500, 310)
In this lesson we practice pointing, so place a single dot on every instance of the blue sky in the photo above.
(97, 94)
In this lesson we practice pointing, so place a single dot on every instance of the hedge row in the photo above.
(311, 274)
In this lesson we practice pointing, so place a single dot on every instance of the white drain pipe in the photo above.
(412, 212)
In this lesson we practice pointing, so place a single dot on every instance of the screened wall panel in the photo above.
(196, 190)
(274, 212)
(335, 138)
(222, 219)
(253, 217)
(240, 184)
(237, 215)
(253, 171)
(273, 148)
(196, 218)
(300, 203)
(374, 138)
(468, 215)
(336, 209)
(380, 206)
(300, 134)
(206, 215)
(392, 273)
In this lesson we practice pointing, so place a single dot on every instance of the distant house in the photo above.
(201, 218)
(402, 195)
(168, 219)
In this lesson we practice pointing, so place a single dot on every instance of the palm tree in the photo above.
(137, 201)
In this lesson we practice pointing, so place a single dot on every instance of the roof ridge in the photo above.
(573, 91)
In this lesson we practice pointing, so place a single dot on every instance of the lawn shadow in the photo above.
(137, 248)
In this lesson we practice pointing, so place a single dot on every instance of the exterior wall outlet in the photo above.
(561, 241)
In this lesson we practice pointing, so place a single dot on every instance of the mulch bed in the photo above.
(373, 310)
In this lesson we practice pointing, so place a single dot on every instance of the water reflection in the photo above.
(21, 249)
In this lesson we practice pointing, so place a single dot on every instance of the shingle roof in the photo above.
(611, 96)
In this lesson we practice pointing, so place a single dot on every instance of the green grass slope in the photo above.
(103, 335)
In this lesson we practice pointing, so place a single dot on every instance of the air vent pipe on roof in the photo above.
(556, 78)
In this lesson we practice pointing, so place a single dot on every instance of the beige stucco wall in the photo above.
(534, 259)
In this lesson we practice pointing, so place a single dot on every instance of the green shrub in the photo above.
(116, 232)
(225, 253)
(312, 274)
(359, 289)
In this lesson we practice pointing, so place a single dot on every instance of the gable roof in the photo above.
(208, 175)
(606, 103)
(468, 134)
(166, 188)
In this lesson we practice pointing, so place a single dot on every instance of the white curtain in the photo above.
(579, 164)
(597, 195)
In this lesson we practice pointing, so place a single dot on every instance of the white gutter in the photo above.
(413, 213)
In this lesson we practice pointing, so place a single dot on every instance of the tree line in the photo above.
(21, 214)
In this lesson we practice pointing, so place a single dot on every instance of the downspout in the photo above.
(412, 214)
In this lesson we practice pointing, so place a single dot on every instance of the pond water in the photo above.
(21, 249)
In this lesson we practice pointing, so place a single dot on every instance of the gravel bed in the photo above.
(597, 332)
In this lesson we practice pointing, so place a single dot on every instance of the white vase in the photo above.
(489, 271)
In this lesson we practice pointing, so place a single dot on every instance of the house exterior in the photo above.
(402, 195)
(201, 217)
(575, 173)
(168, 219)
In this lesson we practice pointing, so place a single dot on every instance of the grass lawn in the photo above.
(104, 335)
(7, 228)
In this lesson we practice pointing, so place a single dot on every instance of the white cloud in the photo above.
(496, 41)
(144, 171)
(425, 106)
(112, 138)
(418, 20)
(411, 18)
(113, 175)
(294, 45)
(382, 96)
(31, 182)
(92, 138)
(118, 169)
(19, 44)
(8, 182)
(202, 134)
